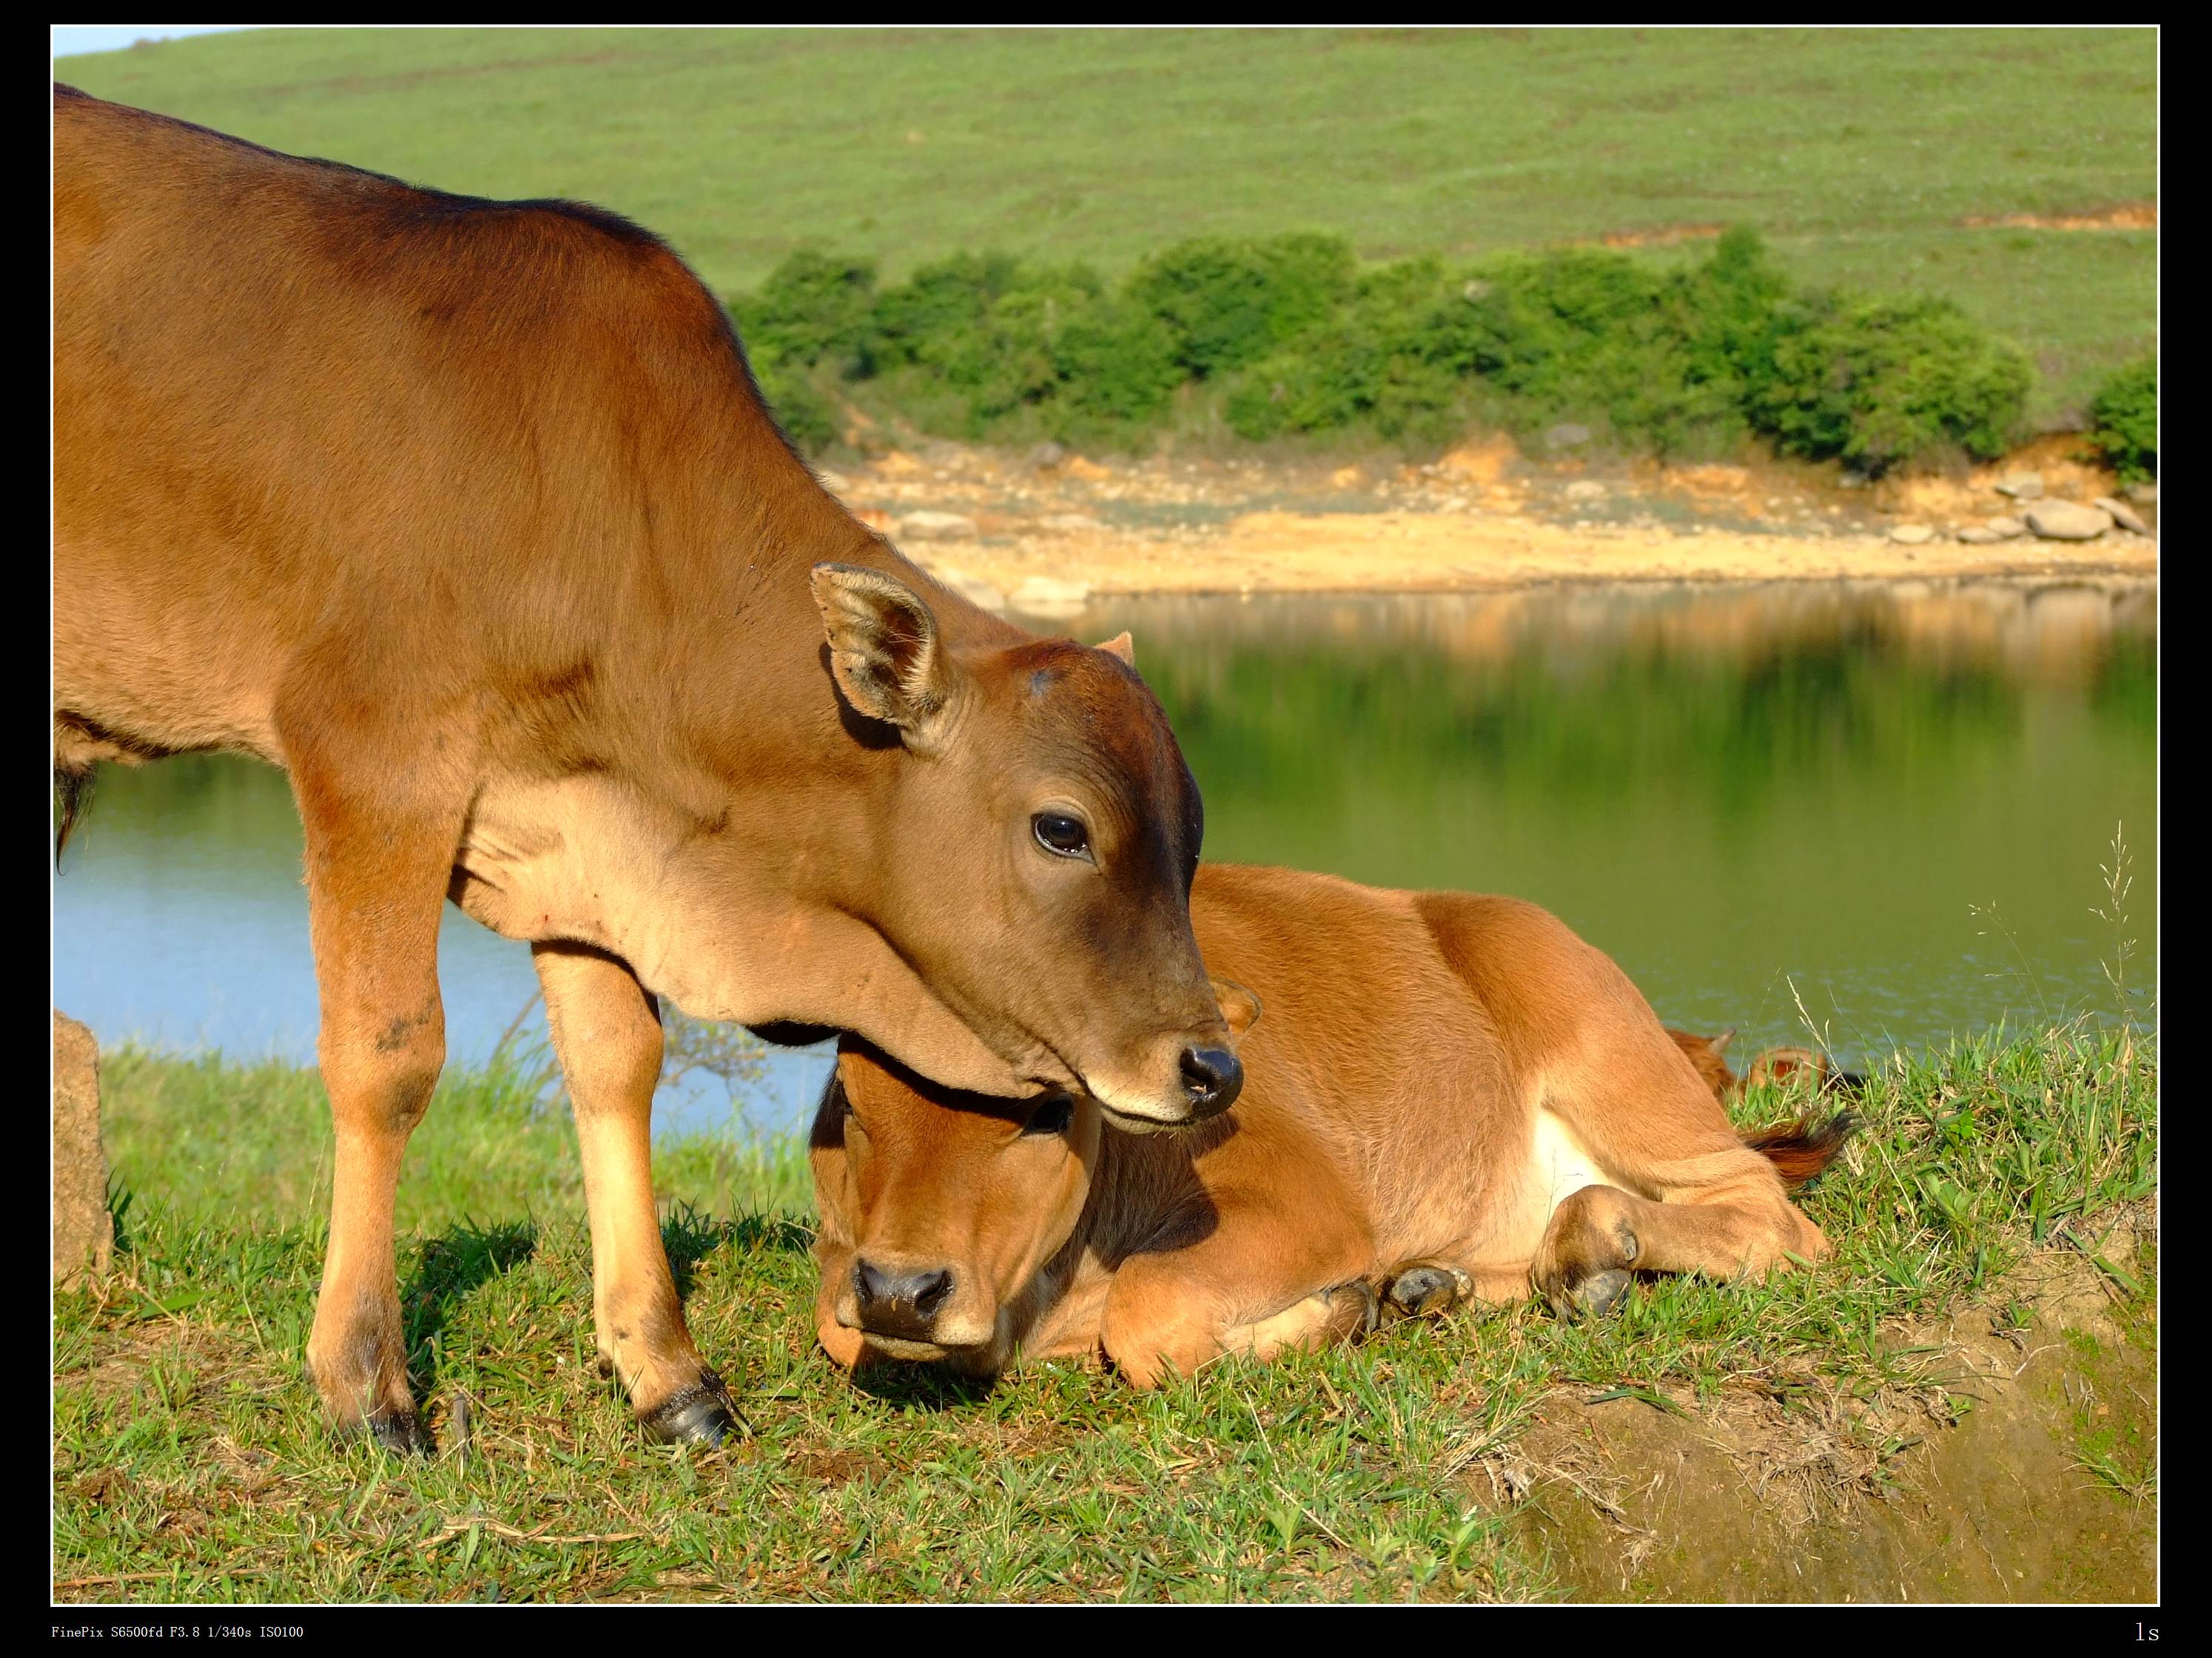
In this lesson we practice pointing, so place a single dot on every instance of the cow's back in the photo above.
(311, 422)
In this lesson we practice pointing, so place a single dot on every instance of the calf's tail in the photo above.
(71, 790)
(1801, 1149)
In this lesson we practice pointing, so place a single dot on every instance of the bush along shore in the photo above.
(1292, 336)
(1992, 1299)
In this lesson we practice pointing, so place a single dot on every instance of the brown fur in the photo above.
(468, 515)
(1419, 1059)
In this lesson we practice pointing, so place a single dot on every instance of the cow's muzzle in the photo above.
(899, 1302)
(1212, 1079)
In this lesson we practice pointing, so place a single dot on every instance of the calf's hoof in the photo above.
(1596, 1295)
(1424, 1290)
(396, 1433)
(701, 1415)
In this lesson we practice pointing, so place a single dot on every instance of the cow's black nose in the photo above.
(900, 1304)
(1212, 1077)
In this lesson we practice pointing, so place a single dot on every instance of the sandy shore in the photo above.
(1042, 535)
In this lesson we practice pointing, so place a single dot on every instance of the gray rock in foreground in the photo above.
(2066, 521)
(2002, 528)
(84, 1232)
(1912, 535)
(2021, 486)
(2122, 514)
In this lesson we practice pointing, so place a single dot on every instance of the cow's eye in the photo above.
(1052, 1117)
(1060, 835)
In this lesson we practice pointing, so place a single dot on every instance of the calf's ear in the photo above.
(1121, 646)
(1239, 1006)
(884, 649)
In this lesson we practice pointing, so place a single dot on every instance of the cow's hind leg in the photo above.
(1702, 1202)
(606, 1029)
(381, 843)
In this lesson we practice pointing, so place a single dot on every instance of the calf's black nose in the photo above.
(899, 1303)
(1212, 1078)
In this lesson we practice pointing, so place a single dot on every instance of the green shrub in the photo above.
(1289, 336)
(1882, 381)
(812, 307)
(2124, 420)
(808, 418)
(1230, 303)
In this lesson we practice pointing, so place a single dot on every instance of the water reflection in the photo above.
(1885, 803)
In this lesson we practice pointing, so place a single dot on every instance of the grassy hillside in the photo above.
(1861, 154)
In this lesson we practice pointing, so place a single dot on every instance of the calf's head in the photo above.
(1036, 862)
(940, 1209)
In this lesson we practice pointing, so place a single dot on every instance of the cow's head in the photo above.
(1037, 855)
(941, 1210)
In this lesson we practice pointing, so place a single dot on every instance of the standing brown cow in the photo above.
(1446, 1095)
(468, 515)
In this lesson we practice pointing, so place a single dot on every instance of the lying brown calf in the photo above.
(1449, 1095)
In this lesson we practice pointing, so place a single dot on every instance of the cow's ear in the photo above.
(1239, 1006)
(1121, 645)
(883, 649)
(1719, 1044)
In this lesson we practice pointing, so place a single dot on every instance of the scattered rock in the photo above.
(1980, 535)
(1911, 535)
(84, 1232)
(943, 526)
(1586, 489)
(2003, 528)
(1046, 456)
(2122, 514)
(2066, 521)
(982, 594)
(2144, 494)
(2021, 486)
(1044, 595)
(1567, 434)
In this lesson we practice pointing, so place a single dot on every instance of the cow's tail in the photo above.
(72, 793)
(1800, 1150)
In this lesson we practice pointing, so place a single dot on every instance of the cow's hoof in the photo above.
(400, 1433)
(698, 1415)
(1424, 1291)
(1600, 1292)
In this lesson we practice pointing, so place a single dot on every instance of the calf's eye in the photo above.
(1052, 1117)
(1060, 835)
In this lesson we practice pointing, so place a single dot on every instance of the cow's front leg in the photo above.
(1271, 1275)
(606, 1030)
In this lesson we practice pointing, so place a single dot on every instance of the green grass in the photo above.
(1858, 152)
(189, 1464)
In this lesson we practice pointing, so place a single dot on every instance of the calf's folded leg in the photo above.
(1260, 1280)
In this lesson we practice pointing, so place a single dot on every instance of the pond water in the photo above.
(1882, 808)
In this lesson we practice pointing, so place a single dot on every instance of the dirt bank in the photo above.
(1042, 531)
(2019, 1466)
